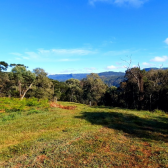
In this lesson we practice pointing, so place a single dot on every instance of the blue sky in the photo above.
(81, 36)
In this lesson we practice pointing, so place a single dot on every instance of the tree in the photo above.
(43, 86)
(110, 97)
(93, 88)
(23, 79)
(3, 66)
(74, 91)
(136, 75)
(4, 79)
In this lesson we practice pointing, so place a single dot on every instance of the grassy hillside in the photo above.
(33, 134)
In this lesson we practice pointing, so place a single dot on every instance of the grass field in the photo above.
(33, 134)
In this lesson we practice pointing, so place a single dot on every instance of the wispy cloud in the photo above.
(17, 54)
(32, 55)
(135, 3)
(72, 51)
(111, 67)
(118, 53)
(67, 60)
(25, 58)
(54, 54)
(83, 70)
(67, 71)
(160, 59)
(147, 64)
(92, 2)
(20, 56)
(166, 41)
(89, 70)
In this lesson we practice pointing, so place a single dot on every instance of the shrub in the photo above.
(158, 111)
(32, 102)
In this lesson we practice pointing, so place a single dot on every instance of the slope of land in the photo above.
(33, 134)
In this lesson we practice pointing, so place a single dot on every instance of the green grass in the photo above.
(40, 136)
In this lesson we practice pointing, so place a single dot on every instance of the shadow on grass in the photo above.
(150, 129)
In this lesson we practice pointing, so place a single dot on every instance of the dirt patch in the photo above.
(52, 104)
(41, 158)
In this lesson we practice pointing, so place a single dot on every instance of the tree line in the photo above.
(140, 89)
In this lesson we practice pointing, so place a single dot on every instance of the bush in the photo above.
(32, 102)
(158, 111)
(15, 109)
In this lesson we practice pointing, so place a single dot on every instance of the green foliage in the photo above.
(33, 111)
(157, 111)
(32, 102)
(15, 108)
(93, 88)
(3, 66)
(43, 86)
(9, 117)
(74, 92)
(22, 78)
(10, 105)
(44, 103)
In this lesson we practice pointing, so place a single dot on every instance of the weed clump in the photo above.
(159, 111)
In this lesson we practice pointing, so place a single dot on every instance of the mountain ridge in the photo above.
(111, 78)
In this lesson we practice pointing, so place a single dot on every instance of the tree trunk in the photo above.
(24, 93)
(141, 91)
(90, 103)
(150, 96)
(55, 99)
(20, 88)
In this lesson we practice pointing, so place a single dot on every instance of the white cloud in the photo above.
(67, 60)
(54, 54)
(166, 41)
(64, 60)
(17, 58)
(83, 70)
(17, 54)
(117, 53)
(25, 58)
(20, 56)
(134, 66)
(135, 3)
(92, 2)
(111, 67)
(72, 51)
(70, 70)
(146, 64)
(160, 59)
(92, 69)
(32, 55)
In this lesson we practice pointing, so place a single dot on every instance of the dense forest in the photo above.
(140, 89)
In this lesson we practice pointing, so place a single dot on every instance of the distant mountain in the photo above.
(64, 77)
(110, 78)
(148, 69)
(111, 73)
